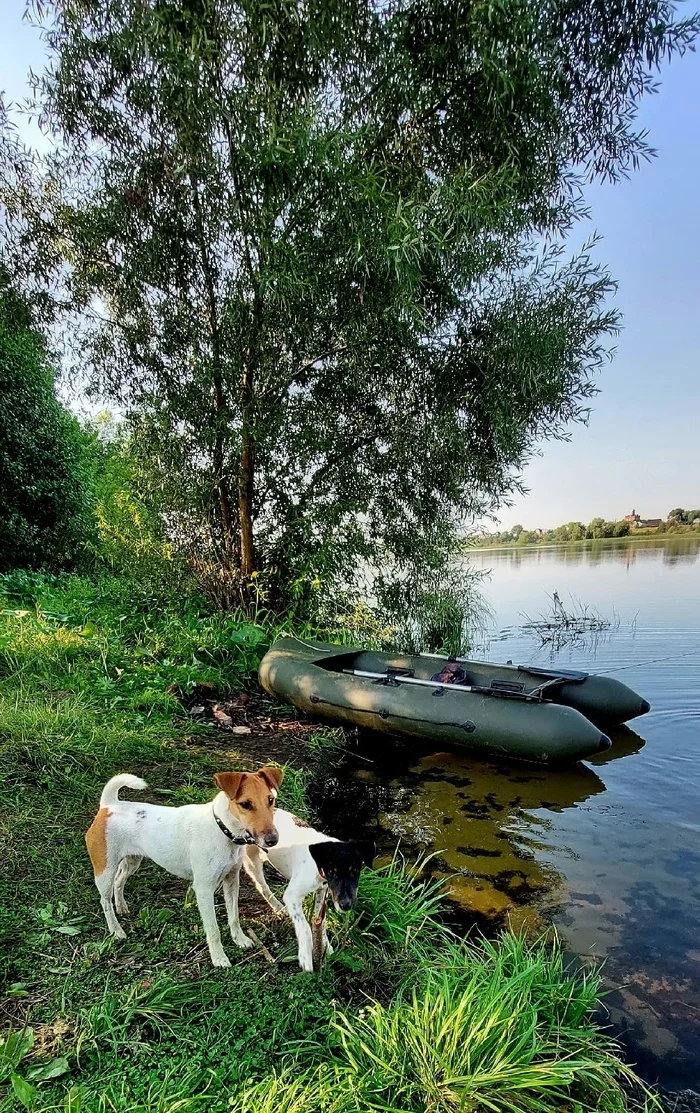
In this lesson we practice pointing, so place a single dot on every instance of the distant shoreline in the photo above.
(619, 541)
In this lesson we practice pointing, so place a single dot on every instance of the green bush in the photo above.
(45, 512)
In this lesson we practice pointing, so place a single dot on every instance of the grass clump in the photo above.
(497, 1026)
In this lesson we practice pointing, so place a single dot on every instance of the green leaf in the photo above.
(54, 1069)
(73, 1101)
(18, 989)
(25, 1093)
(15, 1046)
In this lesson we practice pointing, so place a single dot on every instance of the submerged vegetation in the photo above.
(403, 1016)
(566, 626)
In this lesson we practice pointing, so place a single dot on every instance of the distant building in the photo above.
(635, 522)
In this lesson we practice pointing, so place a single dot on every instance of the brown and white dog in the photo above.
(202, 843)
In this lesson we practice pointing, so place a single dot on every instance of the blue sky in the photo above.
(642, 446)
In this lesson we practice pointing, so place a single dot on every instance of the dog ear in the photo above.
(230, 783)
(367, 850)
(272, 775)
(323, 854)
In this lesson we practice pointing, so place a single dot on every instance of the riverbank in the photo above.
(97, 678)
(584, 542)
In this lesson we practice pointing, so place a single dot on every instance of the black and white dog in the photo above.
(312, 863)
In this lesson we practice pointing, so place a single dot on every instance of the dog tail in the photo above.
(110, 792)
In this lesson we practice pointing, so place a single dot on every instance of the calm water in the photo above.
(609, 850)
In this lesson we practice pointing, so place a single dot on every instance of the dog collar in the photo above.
(240, 840)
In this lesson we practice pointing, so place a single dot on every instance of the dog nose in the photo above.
(271, 838)
(345, 904)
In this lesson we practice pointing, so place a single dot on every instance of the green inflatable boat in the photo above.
(527, 713)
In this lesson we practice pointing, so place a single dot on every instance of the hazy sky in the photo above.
(642, 446)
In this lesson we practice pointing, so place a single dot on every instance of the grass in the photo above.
(89, 676)
(496, 1026)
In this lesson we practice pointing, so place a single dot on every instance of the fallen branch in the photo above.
(259, 943)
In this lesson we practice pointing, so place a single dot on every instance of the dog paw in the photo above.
(220, 960)
(279, 909)
(328, 948)
(119, 933)
(122, 909)
(306, 965)
(243, 941)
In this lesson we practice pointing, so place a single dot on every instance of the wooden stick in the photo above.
(259, 943)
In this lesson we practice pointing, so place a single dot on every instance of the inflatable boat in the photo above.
(522, 712)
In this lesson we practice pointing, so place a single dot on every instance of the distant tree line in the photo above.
(678, 521)
(680, 517)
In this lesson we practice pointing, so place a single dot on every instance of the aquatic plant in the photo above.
(560, 627)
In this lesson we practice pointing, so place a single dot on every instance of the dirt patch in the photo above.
(251, 725)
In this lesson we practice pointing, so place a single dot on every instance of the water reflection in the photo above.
(622, 551)
(625, 742)
(487, 821)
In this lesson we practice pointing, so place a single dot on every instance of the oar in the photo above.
(468, 660)
(408, 680)
(478, 689)
(533, 696)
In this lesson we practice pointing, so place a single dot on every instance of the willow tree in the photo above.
(319, 244)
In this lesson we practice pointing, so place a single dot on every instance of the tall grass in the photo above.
(490, 1026)
(398, 908)
(116, 643)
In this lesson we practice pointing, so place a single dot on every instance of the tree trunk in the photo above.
(220, 416)
(246, 467)
(246, 476)
(221, 484)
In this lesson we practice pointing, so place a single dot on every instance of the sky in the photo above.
(641, 448)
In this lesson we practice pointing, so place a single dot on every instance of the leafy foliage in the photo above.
(683, 517)
(45, 508)
(130, 532)
(328, 242)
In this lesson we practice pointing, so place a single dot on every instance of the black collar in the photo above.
(239, 840)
